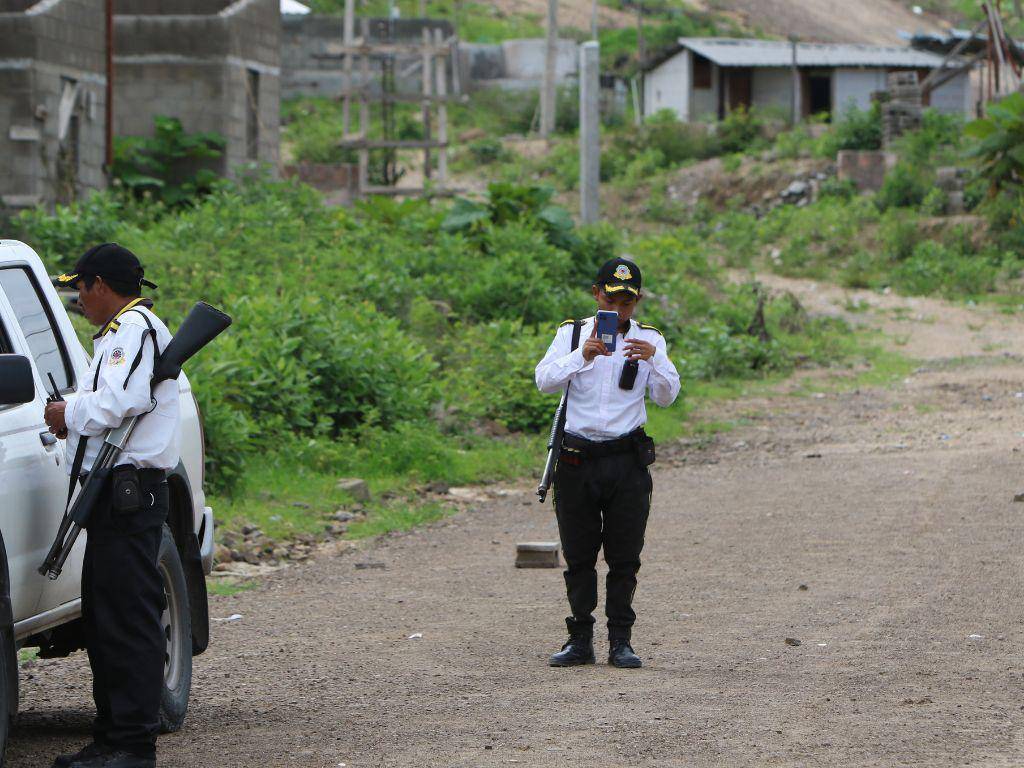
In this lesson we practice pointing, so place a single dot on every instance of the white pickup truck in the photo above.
(37, 612)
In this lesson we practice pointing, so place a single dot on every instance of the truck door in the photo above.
(33, 480)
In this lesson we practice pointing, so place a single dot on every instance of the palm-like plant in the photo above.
(999, 147)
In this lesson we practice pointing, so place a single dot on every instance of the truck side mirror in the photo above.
(16, 383)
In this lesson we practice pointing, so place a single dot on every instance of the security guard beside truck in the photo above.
(122, 590)
(602, 485)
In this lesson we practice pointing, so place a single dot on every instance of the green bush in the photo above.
(856, 129)
(905, 186)
(397, 328)
(61, 237)
(935, 268)
(486, 151)
(741, 131)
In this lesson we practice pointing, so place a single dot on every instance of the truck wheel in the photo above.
(177, 627)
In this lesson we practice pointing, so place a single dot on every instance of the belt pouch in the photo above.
(644, 447)
(126, 497)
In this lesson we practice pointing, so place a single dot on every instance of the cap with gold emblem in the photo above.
(618, 275)
(110, 261)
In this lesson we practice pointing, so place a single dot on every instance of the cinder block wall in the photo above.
(192, 59)
(44, 46)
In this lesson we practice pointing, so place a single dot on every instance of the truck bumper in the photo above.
(206, 545)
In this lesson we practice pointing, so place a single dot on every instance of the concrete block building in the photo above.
(705, 78)
(52, 101)
(213, 64)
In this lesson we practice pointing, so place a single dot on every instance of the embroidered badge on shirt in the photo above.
(622, 272)
(117, 356)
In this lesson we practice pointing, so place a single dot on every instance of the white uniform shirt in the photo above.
(598, 408)
(155, 442)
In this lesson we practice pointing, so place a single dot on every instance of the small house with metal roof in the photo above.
(706, 78)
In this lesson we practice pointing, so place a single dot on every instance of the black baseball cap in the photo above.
(109, 261)
(618, 275)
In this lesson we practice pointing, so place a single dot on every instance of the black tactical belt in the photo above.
(594, 449)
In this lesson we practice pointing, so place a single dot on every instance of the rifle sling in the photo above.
(577, 325)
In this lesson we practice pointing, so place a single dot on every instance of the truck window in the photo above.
(36, 322)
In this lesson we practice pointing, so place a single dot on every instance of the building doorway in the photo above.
(739, 84)
(818, 94)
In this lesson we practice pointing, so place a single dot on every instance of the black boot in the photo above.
(90, 751)
(579, 650)
(122, 759)
(621, 655)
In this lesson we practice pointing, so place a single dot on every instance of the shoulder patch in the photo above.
(650, 328)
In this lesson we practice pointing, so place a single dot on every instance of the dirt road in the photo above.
(876, 527)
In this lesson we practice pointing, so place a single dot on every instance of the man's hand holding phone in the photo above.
(593, 346)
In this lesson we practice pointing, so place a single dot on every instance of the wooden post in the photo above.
(442, 111)
(549, 86)
(364, 110)
(348, 33)
(428, 75)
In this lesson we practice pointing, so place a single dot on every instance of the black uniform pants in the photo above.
(602, 502)
(122, 605)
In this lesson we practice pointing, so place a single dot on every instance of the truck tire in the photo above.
(177, 628)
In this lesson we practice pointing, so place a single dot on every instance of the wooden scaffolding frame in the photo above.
(357, 54)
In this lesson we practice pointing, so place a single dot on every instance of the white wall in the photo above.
(669, 86)
(955, 96)
(855, 86)
(773, 89)
(704, 101)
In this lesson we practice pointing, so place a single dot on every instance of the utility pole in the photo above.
(590, 131)
(108, 149)
(549, 86)
(593, 20)
(794, 116)
(641, 54)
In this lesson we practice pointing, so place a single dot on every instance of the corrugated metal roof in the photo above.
(735, 52)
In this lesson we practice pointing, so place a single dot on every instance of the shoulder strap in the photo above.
(150, 331)
(577, 325)
(76, 468)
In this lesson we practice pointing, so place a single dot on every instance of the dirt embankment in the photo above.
(876, 22)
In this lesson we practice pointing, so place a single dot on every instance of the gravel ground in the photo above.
(874, 527)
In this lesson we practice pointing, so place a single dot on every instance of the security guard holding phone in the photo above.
(122, 591)
(602, 485)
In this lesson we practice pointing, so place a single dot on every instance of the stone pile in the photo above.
(952, 180)
(802, 190)
(901, 113)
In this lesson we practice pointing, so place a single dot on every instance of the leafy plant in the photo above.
(856, 129)
(169, 165)
(508, 203)
(999, 143)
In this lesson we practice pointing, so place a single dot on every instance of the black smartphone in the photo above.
(607, 327)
